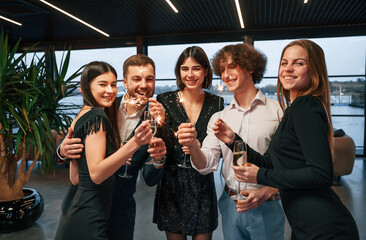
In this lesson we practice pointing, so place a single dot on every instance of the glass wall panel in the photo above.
(113, 56)
(347, 94)
(353, 127)
(343, 55)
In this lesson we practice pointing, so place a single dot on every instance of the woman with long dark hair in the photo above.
(96, 126)
(185, 201)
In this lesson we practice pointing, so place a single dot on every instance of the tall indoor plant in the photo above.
(29, 108)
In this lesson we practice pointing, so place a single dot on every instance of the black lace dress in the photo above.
(86, 218)
(185, 201)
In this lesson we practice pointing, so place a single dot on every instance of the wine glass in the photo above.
(125, 174)
(186, 158)
(153, 127)
(239, 159)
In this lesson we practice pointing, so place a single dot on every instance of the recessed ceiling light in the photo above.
(305, 1)
(172, 6)
(239, 13)
(77, 19)
(9, 20)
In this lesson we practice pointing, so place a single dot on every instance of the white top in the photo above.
(127, 123)
(255, 126)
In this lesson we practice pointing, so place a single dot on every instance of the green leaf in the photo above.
(37, 136)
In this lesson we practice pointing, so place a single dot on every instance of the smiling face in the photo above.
(140, 82)
(104, 89)
(192, 74)
(236, 79)
(294, 72)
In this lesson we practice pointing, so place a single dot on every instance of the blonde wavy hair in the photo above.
(319, 83)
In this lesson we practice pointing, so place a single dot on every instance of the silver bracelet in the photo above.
(59, 155)
(160, 163)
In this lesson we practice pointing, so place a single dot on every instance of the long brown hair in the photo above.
(319, 83)
(90, 72)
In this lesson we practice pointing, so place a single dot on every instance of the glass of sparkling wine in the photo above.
(186, 158)
(125, 174)
(153, 127)
(239, 159)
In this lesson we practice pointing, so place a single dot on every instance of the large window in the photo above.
(345, 58)
(113, 56)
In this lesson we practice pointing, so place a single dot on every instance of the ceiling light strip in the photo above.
(239, 13)
(172, 6)
(77, 19)
(12, 21)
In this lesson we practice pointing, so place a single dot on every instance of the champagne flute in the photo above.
(153, 127)
(125, 174)
(239, 159)
(186, 156)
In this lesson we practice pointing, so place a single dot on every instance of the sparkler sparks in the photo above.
(175, 133)
(220, 88)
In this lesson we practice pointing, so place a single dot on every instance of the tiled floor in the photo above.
(53, 187)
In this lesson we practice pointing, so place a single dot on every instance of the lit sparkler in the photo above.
(159, 120)
(175, 133)
(220, 88)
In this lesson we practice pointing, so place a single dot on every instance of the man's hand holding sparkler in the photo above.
(157, 110)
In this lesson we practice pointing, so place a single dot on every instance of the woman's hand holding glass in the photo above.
(247, 173)
(187, 134)
(239, 159)
(187, 137)
(143, 135)
(157, 110)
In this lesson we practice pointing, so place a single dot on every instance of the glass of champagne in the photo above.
(186, 156)
(153, 127)
(125, 174)
(239, 159)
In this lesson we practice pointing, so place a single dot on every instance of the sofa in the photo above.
(344, 157)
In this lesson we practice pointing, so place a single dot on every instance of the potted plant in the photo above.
(29, 108)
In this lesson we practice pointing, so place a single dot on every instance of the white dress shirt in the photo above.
(127, 123)
(255, 126)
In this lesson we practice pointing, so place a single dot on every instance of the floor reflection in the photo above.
(53, 187)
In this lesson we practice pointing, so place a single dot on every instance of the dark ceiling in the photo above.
(155, 23)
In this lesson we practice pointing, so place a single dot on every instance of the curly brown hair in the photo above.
(243, 55)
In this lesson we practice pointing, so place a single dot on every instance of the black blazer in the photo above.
(151, 175)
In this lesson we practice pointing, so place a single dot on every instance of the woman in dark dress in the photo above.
(185, 202)
(96, 126)
(299, 159)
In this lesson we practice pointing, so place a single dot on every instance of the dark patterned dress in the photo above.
(185, 201)
(86, 218)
